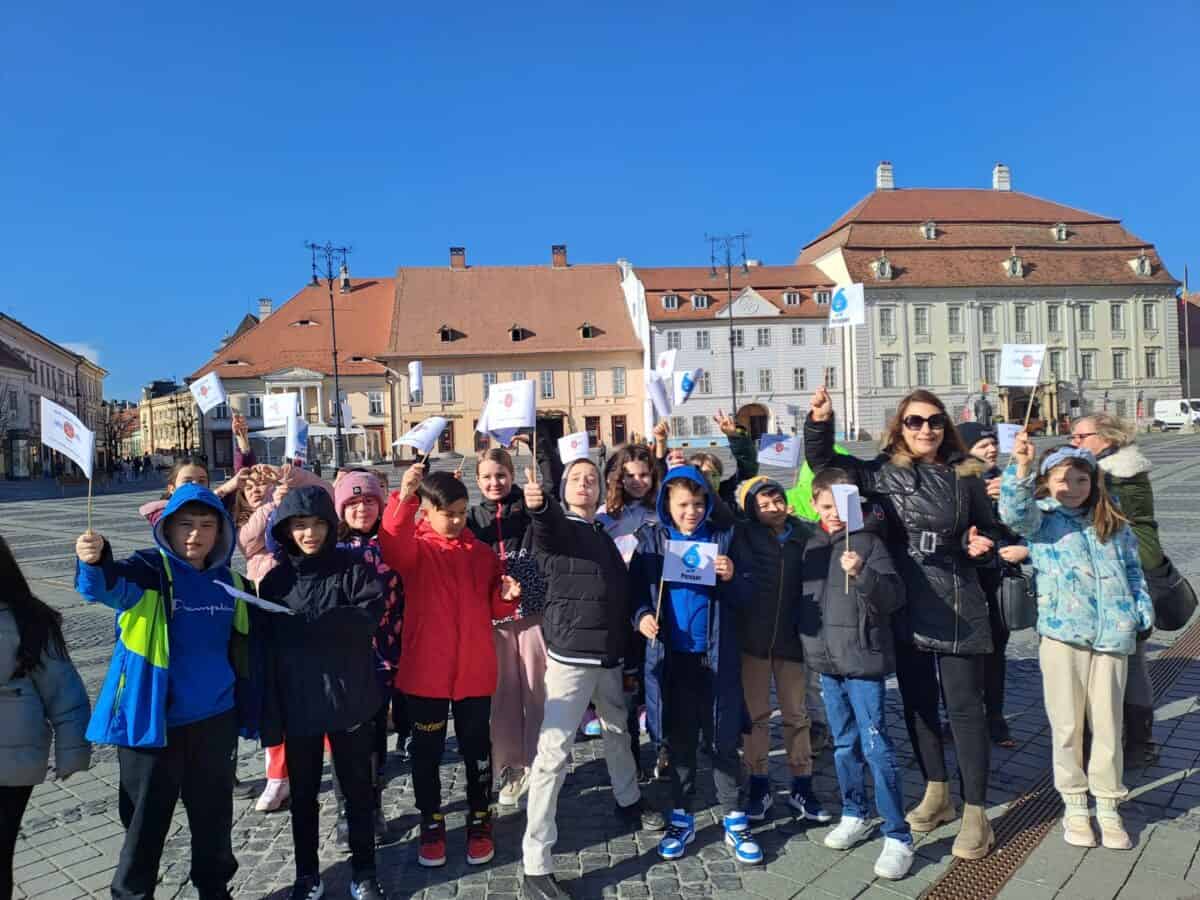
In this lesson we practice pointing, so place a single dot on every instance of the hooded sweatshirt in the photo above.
(321, 671)
(688, 622)
(504, 526)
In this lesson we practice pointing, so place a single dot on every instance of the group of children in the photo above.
(516, 615)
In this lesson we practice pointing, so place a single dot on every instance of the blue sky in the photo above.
(161, 168)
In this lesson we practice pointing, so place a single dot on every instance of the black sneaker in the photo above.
(367, 889)
(638, 814)
(543, 887)
(307, 887)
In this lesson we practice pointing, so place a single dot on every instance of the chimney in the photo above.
(1001, 178)
(344, 278)
(264, 307)
(884, 178)
(558, 256)
(458, 258)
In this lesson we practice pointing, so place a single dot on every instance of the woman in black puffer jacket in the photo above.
(940, 528)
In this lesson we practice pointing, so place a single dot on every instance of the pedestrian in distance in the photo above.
(43, 695)
(1092, 608)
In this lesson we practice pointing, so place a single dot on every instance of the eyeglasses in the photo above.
(936, 422)
(1079, 436)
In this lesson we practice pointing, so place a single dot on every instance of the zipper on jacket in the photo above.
(954, 559)
(778, 607)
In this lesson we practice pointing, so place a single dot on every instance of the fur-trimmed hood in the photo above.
(1126, 462)
(964, 466)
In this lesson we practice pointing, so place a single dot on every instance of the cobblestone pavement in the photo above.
(71, 833)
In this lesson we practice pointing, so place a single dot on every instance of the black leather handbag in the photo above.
(1018, 600)
(1173, 596)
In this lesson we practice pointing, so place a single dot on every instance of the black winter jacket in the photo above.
(991, 576)
(321, 661)
(929, 509)
(849, 633)
(586, 619)
(504, 527)
(775, 577)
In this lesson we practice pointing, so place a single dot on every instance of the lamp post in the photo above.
(330, 253)
(727, 243)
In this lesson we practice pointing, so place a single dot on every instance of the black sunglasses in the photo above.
(936, 422)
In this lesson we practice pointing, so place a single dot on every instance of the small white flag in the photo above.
(63, 432)
(685, 383)
(690, 562)
(416, 379)
(1006, 436)
(1021, 364)
(849, 506)
(782, 450)
(664, 366)
(660, 395)
(347, 414)
(425, 435)
(510, 405)
(209, 392)
(277, 408)
(848, 306)
(502, 436)
(573, 446)
(296, 444)
(257, 601)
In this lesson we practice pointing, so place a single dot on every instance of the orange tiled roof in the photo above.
(770, 282)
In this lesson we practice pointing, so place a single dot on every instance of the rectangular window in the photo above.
(797, 336)
(954, 319)
(674, 340)
(1122, 408)
(1150, 317)
(589, 382)
(1151, 363)
(591, 424)
(679, 426)
(831, 377)
(519, 375)
(1087, 320)
(763, 337)
(791, 298)
(618, 376)
(822, 297)
(700, 425)
(828, 336)
(887, 321)
(670, 301)
(1021, 316)
(991, 366)
(1054, 317)
(958, 369)
(489, 378)
(705, 385)
(702, 340)
(1116, 317)
(446, 383)
(375, 403)
(221, 411)
(989, 319)
(887, 372)
(924, 378)
(1087, 365)
(1120, 364)
(547, 380)
(799, 380)
(737, 338)
(764, 380)
(1056, 363)
(739, 381)
(254, 407)
(921, 321)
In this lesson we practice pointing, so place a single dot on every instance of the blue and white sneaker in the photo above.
(593, 727)
(681, 831)
(738, 837)
(805, 802)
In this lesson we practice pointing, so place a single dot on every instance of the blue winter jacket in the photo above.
(1090, 594)
(161, 600)
(724, 656)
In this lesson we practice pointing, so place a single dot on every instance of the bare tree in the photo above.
(185, 421)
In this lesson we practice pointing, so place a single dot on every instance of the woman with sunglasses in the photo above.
(939, 522)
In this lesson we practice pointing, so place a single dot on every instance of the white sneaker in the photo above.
(516, 783)
(895, 860)
(849, 831)
(274, 795)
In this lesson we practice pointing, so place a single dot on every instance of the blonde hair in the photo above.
(1115, 431)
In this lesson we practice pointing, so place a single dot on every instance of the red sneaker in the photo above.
(480, 847)
(433, 841)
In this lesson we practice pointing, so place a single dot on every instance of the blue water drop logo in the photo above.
(691, 558)
(687, 382)
(839, 302)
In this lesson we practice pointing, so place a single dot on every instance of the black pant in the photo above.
(193, 766)
(688, 718)
(351, 751)
(996, 666)
(379, 745)
(13, 801)
(962, 680)
(400, 722)
(472, 717)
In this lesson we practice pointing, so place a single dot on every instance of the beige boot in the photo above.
(934, 809)
(1112, 829)
(975, 836)
(1077, 824)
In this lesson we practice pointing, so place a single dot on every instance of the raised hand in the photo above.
(412, 478)
(1023, 452)
(89, 547)
(726, 423)
(821, 405)
(535, 497)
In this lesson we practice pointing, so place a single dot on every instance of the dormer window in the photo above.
(305, 323)
(822, 297)
(1142, 266)
(1060, 232)
(235, 362)
(588, 331)
(517, 333)
(791, 298)
(670, 301)
(929, 231)
(700, 301)
(446, 334)
(882, 267)
(1014, 266)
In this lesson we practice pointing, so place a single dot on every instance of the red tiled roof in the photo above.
(770, 282)
(10, 359)
(363, 322)
(481, 303)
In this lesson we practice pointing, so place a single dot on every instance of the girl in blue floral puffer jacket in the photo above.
(1092, 603)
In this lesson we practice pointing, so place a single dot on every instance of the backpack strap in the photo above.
(170, 597)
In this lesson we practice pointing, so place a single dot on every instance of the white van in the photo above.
(1170, 415)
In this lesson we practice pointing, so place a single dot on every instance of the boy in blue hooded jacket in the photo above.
(168, 702)
(693, 679)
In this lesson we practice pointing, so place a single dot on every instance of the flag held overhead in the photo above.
(277, 408)
(62, 431)
(685, 383)
(573, 446)
(660, 395)
(416, 377)
(425, 435)
(782, 450)
(209, 392)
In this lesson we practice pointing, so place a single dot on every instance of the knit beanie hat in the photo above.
(357, 484)
(752, 486)
(972, 433)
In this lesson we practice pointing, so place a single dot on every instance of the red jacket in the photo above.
(451, 596)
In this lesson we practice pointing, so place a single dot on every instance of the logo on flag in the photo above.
(692, 557)
(508, 400)
(69, 431)
(839, 302)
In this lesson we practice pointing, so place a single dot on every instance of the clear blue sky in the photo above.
(161, 168)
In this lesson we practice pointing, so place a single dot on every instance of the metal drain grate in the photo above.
(1031, 816)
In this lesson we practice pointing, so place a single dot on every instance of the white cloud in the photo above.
(90, 351)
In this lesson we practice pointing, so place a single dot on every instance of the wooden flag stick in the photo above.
(658, 607)
(1029, 406)
(534, 451)
(462, 462)
(847, 550)
(89, 506)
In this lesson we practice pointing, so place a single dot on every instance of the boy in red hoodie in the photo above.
(453, 589)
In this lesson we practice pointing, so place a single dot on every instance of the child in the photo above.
(694, 651)
(359, 502)
(168, 701)
(1092, 604)
(193, 470)
(588, 639)
(42, 693)
(981, 442)
(453, 588)
(847, 637)
(771, 541)
(321, 680)
(502, 522)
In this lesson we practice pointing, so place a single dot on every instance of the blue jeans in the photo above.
(856, 721)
